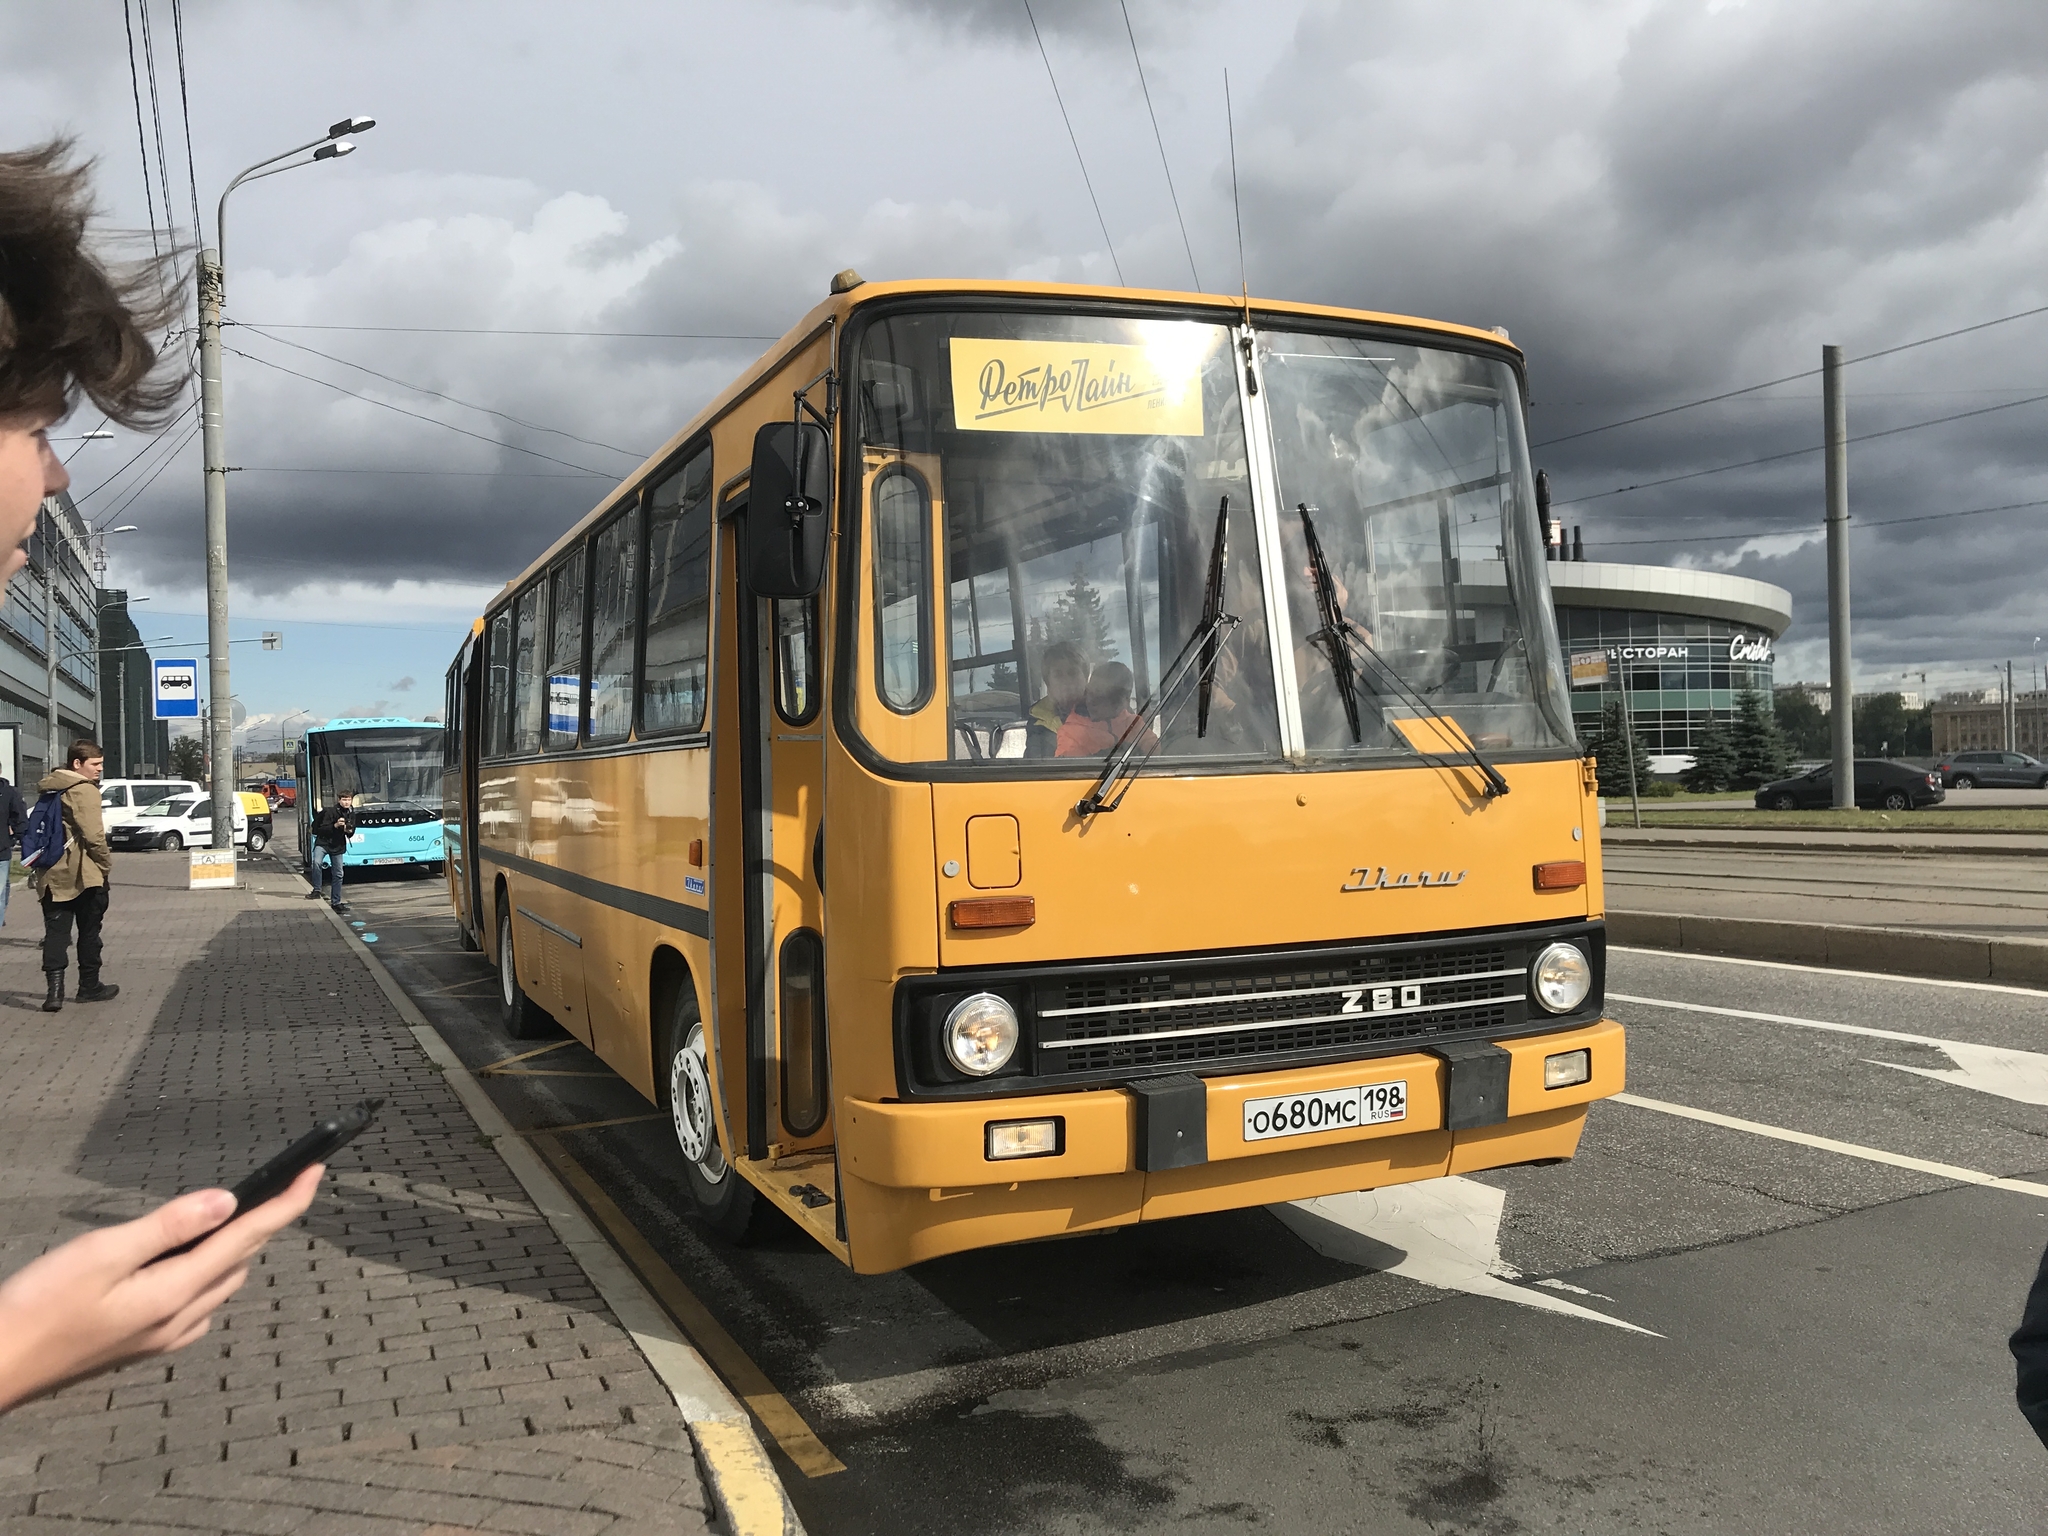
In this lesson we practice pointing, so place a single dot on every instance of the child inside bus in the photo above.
(1105, 714)
(1066, 679)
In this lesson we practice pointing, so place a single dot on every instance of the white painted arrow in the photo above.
(1441, 1232)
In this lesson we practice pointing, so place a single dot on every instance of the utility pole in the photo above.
(1628, 724)
(2011, 712)
(220, 732)
(1841, 715)
(51, 760)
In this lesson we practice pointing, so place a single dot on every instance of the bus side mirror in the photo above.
(788, 505)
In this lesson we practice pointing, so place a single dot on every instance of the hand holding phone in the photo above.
(275, 1176)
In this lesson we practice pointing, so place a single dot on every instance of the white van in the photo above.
(121, 800)
(181, 822)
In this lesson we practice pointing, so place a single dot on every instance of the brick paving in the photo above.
(419, 1355)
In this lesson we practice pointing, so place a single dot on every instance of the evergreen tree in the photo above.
(1801, 723)
(1612, 745)
(1713, 760)
(188, 759)
(1078, 615)
(1759, 749)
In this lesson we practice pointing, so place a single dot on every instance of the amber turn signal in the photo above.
(994, 912)
(697, 852)
(1564, 875)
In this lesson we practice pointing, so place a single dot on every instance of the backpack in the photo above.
(42, 835)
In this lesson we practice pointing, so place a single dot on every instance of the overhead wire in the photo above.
(129, 497)
(185, 110)
(141, 138)
(632, 453)
(1815, 534)
(155, 437)
(1160, 140)
(1793, 378)
(445, 426)
(1075, 140)
(156, 118)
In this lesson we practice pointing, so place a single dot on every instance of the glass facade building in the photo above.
(1685, 643)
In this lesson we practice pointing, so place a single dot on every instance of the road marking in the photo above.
(1845, 1148)
(770, 1407)
(1823, 970)
(587, 1125)
(1441, 1232)
(506, 1061)
(2003, 1071)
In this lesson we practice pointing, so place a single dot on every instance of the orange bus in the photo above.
(1027, 759)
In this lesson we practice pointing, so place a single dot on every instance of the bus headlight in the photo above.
(1561, 977)
(981, 1034)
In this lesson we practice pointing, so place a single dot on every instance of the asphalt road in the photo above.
(1694, 1326)
(1947, 892)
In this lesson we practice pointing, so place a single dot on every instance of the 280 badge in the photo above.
(1336, 1109)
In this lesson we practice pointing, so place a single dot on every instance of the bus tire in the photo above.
(723, 1200)
(518, 1015)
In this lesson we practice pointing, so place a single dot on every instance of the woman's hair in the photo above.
(68, 322)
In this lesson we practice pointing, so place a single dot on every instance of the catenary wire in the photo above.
(1157, 138)
(631, 453)
(445, 426)
(134, 492)
(141, 138)
(155, 437)
(1793, 453)
(1074, 139)
(156, 119)
(185, 108)
(1855, 523)
(1793, 378)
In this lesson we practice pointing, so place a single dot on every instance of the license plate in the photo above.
(393, 860)
(1338, 1109)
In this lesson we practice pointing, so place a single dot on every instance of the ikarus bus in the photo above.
(1025, 760)
(392, 766)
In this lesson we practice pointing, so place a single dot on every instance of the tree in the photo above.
(1759, 749)
(1713, 760)
(1884, 727)
(1801, 723)
(188, 759)
(1612, 745)
(1078, 615)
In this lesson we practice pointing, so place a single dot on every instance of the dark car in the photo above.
(1992, 770)
(1880, 786)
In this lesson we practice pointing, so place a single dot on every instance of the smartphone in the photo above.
(275, 1176)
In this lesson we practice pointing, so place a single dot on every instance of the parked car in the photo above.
(258, 809)
(1992, 770)
(172, 825)
(1880, 786)
(122, 800)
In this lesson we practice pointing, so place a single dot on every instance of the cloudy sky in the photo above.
(1661, 201)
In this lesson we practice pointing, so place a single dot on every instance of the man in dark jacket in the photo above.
(2030, 1351)
(74, 889)
(331, 829)
(12, 814)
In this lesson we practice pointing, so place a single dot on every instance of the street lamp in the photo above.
(212, 294)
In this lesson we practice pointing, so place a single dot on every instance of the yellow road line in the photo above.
(528, 1055)
(586, 1125)
(798, 1441)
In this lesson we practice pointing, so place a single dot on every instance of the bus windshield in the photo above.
(1081, 466)
(385, 766)
(1076, 479)
(1410, 466)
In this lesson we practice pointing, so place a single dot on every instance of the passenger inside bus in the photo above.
(1104, 716)
(1066, 679)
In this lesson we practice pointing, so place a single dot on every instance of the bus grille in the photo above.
(1158, 1019)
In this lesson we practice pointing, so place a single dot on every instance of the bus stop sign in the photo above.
(177, 690)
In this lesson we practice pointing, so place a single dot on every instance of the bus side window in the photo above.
(796, 659)
(613, 619)
(565, 653)
(529, 678)
(673, 682)
(498, 687)
(902, 522)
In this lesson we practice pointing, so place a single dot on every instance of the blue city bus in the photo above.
(393, 768)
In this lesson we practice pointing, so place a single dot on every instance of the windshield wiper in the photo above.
(1339, 637)
(1197, 659)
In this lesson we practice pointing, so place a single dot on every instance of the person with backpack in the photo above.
(65, 848)
(331, 830)
(13, 816)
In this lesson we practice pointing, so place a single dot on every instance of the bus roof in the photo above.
(839, 306)
(357, 722)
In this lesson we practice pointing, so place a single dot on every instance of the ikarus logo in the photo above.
(1366, 877)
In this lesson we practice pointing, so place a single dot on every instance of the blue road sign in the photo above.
(177, 690)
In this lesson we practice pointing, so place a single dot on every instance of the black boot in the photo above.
(90, 988)
(54, 1003)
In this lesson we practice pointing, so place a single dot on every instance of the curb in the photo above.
(1929, 845)
(748, 1496)
(1892, 951)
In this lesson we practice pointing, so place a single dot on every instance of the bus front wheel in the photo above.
(518, 1014)
(725, 1201)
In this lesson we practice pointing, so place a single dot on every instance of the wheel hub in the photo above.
(505, 977)
(689, 1087)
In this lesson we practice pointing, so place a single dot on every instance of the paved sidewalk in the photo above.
(420, 1355)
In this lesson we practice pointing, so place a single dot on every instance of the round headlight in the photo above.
(981, 1034)
(1561, 976)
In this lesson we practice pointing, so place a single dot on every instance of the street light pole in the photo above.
(212, 415)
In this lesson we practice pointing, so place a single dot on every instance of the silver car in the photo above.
(1992, 770)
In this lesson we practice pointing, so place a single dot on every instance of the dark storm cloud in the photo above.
(1661, 201)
